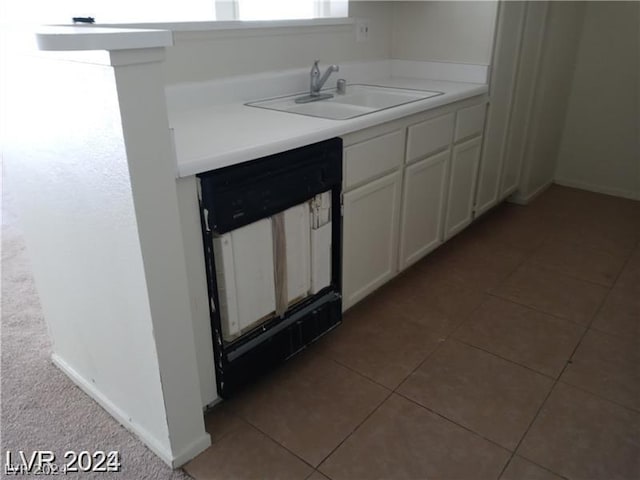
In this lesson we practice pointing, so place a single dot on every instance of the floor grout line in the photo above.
(252, 425)
(513, 362)
(462, 325)
(440, 343)
(444, 417)
(277, 442)
(535, 417)
(589, 328)
(582, 389)
(614, 336)
(328, 356)
(390, 392)
(556, 381)
(355, 429)
(617, 336)
(492, 291)
(542, 467)
(270, 437)
(531, 307)
(551, 269)
(394, 391)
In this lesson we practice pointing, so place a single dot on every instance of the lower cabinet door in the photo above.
(370, 237)
(423, 207)
(462, 185)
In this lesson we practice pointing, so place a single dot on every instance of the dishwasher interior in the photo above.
(271, 233)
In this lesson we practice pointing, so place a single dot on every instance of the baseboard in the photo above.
(520, 199)
(616, 192)
(191, 451)
(149, 440)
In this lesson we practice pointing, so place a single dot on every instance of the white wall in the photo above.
(600, 148)
(88, 160)
(559, 32)
(199, 56)
(458, 32)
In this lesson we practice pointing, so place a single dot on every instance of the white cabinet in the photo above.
(516, 171)
(464, 170)
(424, 196)
(503, 80)
(370, 237)
(400, 203)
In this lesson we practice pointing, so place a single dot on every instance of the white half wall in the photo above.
(205, 55)
(456, 32)
(151, 160)
(600, 148)
(88, 159)
(77, 212)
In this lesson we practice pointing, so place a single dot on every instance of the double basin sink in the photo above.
(358, 100)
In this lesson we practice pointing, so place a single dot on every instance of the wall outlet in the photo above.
(362, 30)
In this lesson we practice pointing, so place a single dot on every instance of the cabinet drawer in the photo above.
(470, 121)
(429, 136)
(370, 159)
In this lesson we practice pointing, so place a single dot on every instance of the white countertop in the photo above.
(72, 38)
(220, 135)
(213, 128)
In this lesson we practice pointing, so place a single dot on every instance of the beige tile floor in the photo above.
(512, 352)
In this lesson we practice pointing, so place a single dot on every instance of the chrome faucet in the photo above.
(316, 81)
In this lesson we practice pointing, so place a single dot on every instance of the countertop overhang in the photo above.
(80, 38)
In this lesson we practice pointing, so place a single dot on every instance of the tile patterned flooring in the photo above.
(512, 352)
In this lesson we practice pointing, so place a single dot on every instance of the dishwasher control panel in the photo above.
(242, 194)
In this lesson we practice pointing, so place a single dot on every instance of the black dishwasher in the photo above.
(272, 243)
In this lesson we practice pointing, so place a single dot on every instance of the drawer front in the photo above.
(370, 159)
(470, 121)
(429, 136)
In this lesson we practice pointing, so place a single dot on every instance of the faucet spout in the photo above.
(329, 71)
(317, 81)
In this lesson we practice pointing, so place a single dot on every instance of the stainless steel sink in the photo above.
(322, 108)
(358, 100)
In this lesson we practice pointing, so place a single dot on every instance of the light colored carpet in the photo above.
(41, 409)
